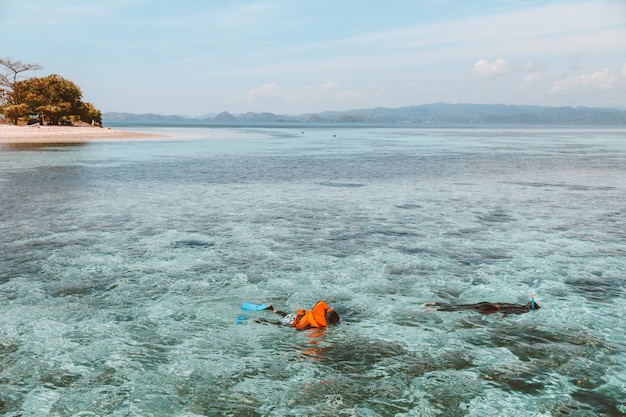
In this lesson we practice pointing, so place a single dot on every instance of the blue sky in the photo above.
(193, 57)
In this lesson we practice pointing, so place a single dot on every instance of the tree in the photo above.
(15, 111)
(88, 113)
(8, 82)
(52, 97)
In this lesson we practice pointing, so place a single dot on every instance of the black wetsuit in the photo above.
(488, 308)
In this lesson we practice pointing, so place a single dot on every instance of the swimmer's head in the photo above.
(332, 317)
(530, 305)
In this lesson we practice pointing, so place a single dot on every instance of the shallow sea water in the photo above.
(123, 266)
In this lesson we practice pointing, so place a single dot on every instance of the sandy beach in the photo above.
(10, 134)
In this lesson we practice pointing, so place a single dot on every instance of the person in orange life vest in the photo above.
(320, 316)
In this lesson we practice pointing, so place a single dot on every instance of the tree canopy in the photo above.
(50, 98)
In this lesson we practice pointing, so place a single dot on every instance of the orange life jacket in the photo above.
(314, 318)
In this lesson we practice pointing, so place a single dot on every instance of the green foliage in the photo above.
(14, 111)
(89, 113)
(52, 98)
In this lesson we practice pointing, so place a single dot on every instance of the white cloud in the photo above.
(331, 85)
(484, 68)
(597, 80)
(264, 90)
(528, 81)
(624, 71)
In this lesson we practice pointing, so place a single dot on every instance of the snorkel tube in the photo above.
(532, 301)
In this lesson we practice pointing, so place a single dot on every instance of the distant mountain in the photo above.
(428, 114)
(224, 117)
(113, 117)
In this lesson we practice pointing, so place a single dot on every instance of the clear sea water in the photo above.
(123, 266)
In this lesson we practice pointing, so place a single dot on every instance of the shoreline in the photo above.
(10, 134)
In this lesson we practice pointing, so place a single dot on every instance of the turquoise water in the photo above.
(123, 266)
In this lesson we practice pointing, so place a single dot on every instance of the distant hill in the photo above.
(428, 114)
(149, 118)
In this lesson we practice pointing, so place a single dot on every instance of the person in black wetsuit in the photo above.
(486, 308)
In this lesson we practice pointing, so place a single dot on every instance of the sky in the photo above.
(197, 57)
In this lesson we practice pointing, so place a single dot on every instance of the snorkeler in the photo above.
(319, 316)
(487, 308)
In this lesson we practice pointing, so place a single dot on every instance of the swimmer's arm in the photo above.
(280, 313)
(266, 321)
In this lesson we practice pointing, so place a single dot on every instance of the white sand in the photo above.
(60, 134)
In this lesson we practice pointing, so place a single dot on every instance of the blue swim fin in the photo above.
(253, 307)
